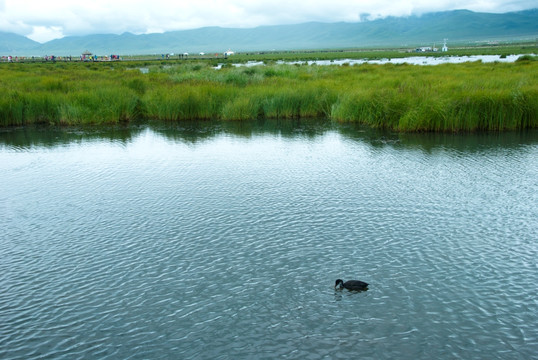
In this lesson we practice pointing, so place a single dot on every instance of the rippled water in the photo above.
(223, 241)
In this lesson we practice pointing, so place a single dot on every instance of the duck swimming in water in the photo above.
(351, 285)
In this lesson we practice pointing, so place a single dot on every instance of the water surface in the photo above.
(411, 60)
(223, 241)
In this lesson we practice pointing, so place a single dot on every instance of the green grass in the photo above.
(448, 97)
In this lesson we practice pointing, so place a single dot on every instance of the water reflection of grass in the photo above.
(449, 97)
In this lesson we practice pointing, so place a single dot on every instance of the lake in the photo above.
(224, 240)
(410, 60)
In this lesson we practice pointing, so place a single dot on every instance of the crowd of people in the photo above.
(53, 58)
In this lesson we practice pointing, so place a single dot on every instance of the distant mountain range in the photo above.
(459, 26)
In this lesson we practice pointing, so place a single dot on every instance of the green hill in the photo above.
(13, 44)
(459, 26)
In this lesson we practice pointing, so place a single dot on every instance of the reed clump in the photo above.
(449, 97)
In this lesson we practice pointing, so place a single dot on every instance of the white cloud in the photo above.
(45, 20)
(45, 33)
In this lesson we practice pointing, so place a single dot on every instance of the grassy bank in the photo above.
(450, 97)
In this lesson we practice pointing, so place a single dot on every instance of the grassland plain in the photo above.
(448, 97)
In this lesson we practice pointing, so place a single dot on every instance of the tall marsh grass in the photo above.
(449, 97)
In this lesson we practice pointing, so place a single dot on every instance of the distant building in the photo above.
(86, 56)
(228, 52)
(424, 49)
(445, 48)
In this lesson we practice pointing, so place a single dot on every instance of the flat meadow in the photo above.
(472, 96)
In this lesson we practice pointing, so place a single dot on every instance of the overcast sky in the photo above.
(43, 20)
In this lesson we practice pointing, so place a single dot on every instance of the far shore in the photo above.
(502, 50)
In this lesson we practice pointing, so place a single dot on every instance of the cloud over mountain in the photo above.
(45, 20)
